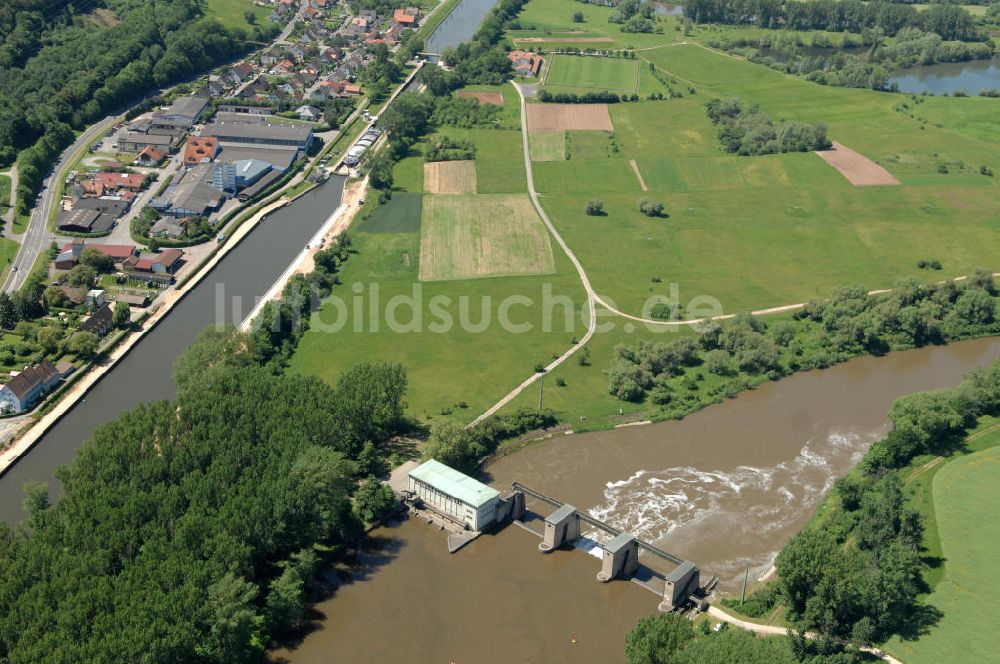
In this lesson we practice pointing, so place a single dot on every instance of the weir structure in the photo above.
(620, 556)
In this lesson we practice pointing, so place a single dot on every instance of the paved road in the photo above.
(38, 236)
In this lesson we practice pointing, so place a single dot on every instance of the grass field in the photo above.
(577, 71)
(962, 529)
(400, 214)
(465, 237)
(455, 370)
(450, 177)
(547, 145)
(231, 13)
(755, 232)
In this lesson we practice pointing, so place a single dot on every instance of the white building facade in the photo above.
(454, 494)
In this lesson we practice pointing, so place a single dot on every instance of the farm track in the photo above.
(593, 299)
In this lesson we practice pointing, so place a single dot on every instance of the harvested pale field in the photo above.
(547, 146)
(486, 235)
(494, 98)
(555, 117)
(450, 177)
(565, 40)
(857, 168)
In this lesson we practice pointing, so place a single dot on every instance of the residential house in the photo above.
(149, 157)
(309, 113)
(117, 181)
(100, 322)
(69, 254)
(525, 63)
(352, 89)
(23, 390)
(166, 262)
(406, 17)
(170, 227)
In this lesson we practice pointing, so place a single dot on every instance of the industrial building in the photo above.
(454, 494)
(288, 134)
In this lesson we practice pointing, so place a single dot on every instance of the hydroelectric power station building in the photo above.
(455, 495)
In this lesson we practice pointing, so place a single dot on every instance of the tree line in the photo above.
(671, 638)
(743, 351)
(855, 573)
(866, 62)
(952, 22)
(746, 130)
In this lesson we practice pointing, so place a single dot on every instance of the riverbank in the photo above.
(336, 224)
(724, 486)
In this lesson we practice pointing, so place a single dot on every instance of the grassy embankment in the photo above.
(956, 495)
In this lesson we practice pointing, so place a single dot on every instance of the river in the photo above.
(949, 77)
(460, 25)
(726, 486)
(228, 293)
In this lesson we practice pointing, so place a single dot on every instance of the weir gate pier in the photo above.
(619, 556)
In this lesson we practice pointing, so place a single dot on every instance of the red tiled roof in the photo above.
(402, 17)
(199, 149)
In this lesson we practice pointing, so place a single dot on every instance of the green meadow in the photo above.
(956, 498)
(456, 370)
(756, 232)
(231, 13)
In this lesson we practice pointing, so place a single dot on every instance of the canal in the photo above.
(227, 294)
(724, 487)
(460, 25)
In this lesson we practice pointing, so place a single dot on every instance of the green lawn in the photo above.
(964, 490)
(4, 192)
(8, 250)
(400, 214)
(617, 74)
(231, 13)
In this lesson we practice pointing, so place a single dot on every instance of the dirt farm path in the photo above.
(593, 299)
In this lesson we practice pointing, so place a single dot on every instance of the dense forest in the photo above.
(61, 72)
(187, 530)
(951, 22)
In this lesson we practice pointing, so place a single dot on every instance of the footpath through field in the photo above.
(593, 298)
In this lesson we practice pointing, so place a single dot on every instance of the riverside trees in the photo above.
(186, 530)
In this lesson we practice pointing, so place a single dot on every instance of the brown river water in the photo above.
(724, 487)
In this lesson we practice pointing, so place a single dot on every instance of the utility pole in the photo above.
(745, 578)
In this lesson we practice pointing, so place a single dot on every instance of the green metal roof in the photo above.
(456, 484)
